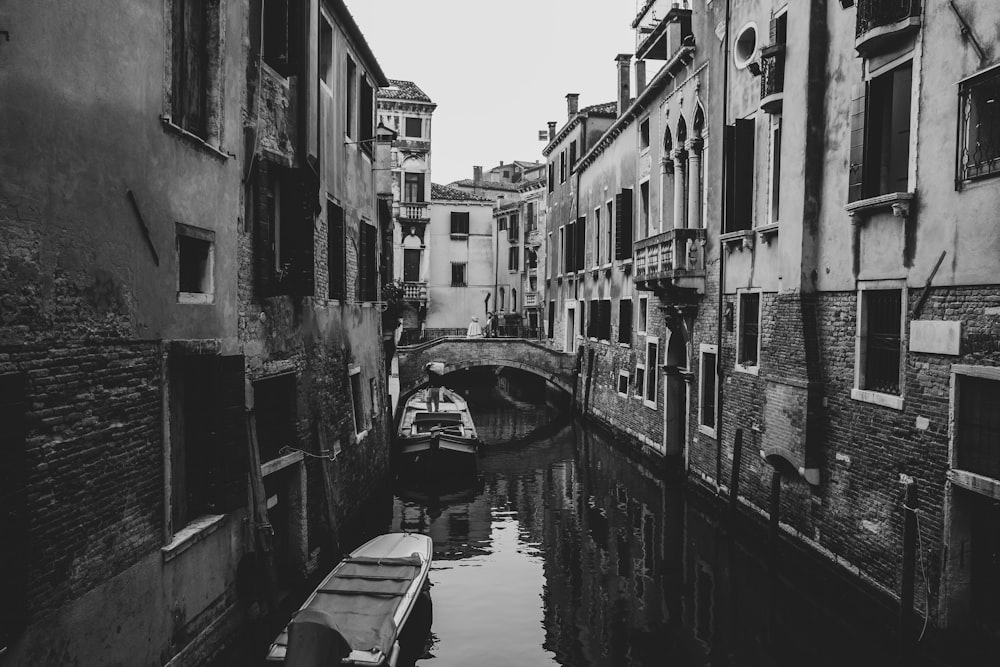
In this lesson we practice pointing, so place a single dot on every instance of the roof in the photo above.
(454, 194)
(403, 90)
(603, 110)
(487, 185)
(354, 32)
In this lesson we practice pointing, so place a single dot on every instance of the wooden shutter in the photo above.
(310, 85)
(743, 173)
(569, 254)
(366, 114)
(335, 249)
(190, 62)
(623, 224)
(624, 321)
(264, 227)
(13, 504)
(581, 243)
(855, 179)
(299, 205)
(230, 452)
(728, 147)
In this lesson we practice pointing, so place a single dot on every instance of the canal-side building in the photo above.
(519, 237)
(517, 171)
(407, 110)
(459, 254)
(309, 308)
(495, 188)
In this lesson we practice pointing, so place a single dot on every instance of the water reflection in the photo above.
(565, 551)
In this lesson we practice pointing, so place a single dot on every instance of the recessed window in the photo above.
(775, 168)
(413, 128)
(643, 315)
(745, 47)
(279, 40)
(640, 380)
(325, 51)
(195, 60)
(748, 337)
(572, 154)
(513, 258)
(349, 98)
(880, 135)
(195, 265)
(653, 370)
(625, 321)
(979, 135)
(623, 383)
(880, 336)
(459, 223)
(458, 274)
(644, 134)
(276, 406)
(358, 399)
(707, 389)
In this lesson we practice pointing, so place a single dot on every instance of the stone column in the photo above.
(694, 147)
(680, 157)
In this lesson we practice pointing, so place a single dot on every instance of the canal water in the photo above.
(564, 549)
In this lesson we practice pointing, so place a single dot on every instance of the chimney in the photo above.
(572, 103)
(552, 130)
(477, 175)
(640, 76)
(624, 92)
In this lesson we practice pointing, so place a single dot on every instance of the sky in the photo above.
(498, 71)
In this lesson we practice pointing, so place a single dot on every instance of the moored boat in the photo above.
(355, 615)
(436, 439)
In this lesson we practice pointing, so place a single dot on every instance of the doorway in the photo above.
(570, 328)
(675, 394)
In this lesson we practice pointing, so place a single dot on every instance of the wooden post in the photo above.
(909, 573)
(576, 377)
(331, 508)
(773, 527)
(262, 525)
(590, 378)
(734, 484)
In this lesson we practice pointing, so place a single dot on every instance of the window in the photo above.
(13, 506)
(644, 134)
(653, 366)
(748, 337)
(366, 115)
(879, 336)
(195, 264)
(194, 62)
(979, 126)
(880, 135)
(284, 247)
(623, 224)
(275, 403)
(552, 176)
(349, 96)
(325, 50)
(572, 154)
(739, 141)
(607, 233)
(644, 209)
(562, 166)
(745, 47)
(207, 427)
(279, 37)
(551, 319)
(513, 228)
(513, 299)
(501, 224)
(458, 274)
(640, 379)
(358, 401)
(775, 168)
(373, 396)
(413, 127)
(459, 223)
(625, 321)
(643, 315)
(623, 383)
(513, 258)
(531, 219)
(335, 251)
(597, 254)
(599, 325)
(707, 389)
(411, 265)
(413, 187)
(368, 262)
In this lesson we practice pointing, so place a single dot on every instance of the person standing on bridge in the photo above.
(475, 331)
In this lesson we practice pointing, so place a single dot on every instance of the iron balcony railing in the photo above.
(873, 14)
(772, 76)
(670, 254)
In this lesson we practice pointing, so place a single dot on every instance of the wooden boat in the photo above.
(442, 439)
(355, 615)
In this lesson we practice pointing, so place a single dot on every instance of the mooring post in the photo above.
(576, 376)
(734, 481)
(909, 572)
(590, 377)
(773, 526)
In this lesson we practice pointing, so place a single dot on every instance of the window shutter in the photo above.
(231, 460)
(364, 266)
(310, 104)
(623, 224)
(855, 180)
(743, 174)
(13, 504)
(190, 84)
(569, 254)
(263, 229)
(729, 146)
(581, 243)
(899, 141)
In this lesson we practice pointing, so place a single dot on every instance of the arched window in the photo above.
(513, 299)
(668, 142)
(682, 132)
(699, 120)
(501, 298)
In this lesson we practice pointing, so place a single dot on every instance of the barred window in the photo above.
(880, 340)
(979, 131)
(749, 335)
(458, 274)
(977, 426)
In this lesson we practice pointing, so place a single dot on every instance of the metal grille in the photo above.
(772, 73)
(749, 328)
(708, 389)
(979, 134)
(877, 13)
(882, 340)
(978, 428)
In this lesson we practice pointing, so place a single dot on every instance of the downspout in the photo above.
(722, 257)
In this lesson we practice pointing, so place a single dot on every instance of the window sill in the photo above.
(767, 232)
(740, 240)
(649, 404)
(878, 398)
(898, 202)
(191, 534)
(625, 345)
(749, 370)
(195, 298)
(459, 237)
(706, 430)
(194, 139)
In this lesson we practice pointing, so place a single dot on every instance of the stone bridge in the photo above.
(458, 353)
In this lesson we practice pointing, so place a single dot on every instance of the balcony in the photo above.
(772, 78)
(415, 291)
(411, 211)
(412, 145)
(660, 39)
(535, 238)
(531, 299)
(883, 22)
(670, 262)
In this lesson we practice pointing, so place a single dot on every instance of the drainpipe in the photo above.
(722, 259)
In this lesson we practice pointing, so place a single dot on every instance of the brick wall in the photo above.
(93, 463)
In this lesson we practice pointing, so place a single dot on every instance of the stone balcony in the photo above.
(415, 290)
(882, 23)
(530, 299)
(414, 212)
(671, 261)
